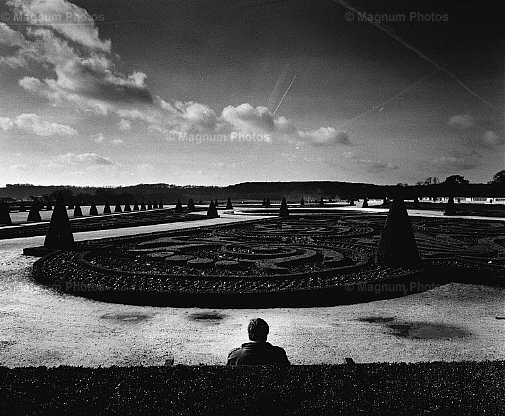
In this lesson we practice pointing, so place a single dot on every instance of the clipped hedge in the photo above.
(437, 388)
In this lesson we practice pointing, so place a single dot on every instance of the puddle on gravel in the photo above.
(207, 317)
(129, 317)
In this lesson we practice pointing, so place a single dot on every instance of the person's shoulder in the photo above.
(280, 353)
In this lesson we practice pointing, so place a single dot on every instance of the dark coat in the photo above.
(258, 353)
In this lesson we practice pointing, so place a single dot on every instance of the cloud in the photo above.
(456, 161)
(69, 20)
(125, 124)
(326, 136)
(492, 139)
(83, 75)
(372, 165)
(6, 123)
(33, 123)
(461, 121)
(84, 158)
(99, 138)
(117, 142)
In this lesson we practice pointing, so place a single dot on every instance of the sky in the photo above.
(220, 92)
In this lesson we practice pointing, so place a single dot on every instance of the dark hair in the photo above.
(257, 329)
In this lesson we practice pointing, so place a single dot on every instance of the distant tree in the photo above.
(499, 178)
(456, 180)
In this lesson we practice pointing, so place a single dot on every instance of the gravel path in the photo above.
(41, 327)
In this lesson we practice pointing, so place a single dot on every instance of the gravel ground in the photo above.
(38, 326)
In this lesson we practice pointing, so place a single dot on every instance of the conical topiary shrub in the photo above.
(385, 202)
(302, 202)
(284, 211)
(22, 206)
(264, 203)
(416, 203)
(149, 205)
(59, 235)
(117, 208)
(351, 202)
(34, 214)
(71, 205)
(5, 217)
(450, 208)
(212, 211)
(268, 205)
(92, 209)
(321, 202)
(49, 206)
(127, 207)
(160, 205)
(178, 207)
(397, 246)
(143, 206)
(106, 208)
(191, 205)
(155, 204)
(77, 210)
(365, 203)
(229, 205)
(135, 206)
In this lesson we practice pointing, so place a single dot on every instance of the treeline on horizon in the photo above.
(293, 191)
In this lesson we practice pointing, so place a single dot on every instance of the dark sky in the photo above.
(424, 99)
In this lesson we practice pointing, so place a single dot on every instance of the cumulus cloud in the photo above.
(325, 136)
(461, 121)
(373, 165)
(6, 123)
(125, 124)
(117, 142)
(84, 158)
(456, 161)
(84, 75)
(69, 20)
(99, 138)
(492, 139)
(33, 123)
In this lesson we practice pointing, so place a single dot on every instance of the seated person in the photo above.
(258, 351)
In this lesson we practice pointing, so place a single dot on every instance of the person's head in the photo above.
(258, 330)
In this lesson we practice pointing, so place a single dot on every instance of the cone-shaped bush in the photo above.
(302, 202)
(385, 203)
(71, 205)
(351, 202)
(106, 208)
(229, 205)
(397, 246)
(127, 207)
(365, 203)
(92, 209)
(155, 204)
(450, 208)
(264, 203)
(143, 206)
(178, 207)
(268, 205)
(22, 206)
(34, 214)
(59, 235)
(321, 202)
(118, 208)
(49, 206)
(191, 205)
(135, 206)
(77, 210)
(416, 202)
(212, 211)
(284, 212)
(5, 217)
(149, 205)
(160, 205)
